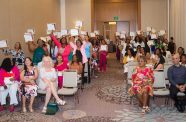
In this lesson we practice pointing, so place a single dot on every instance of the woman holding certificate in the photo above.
(9, 78)
(28, 87)
(103, 55)
(63, 47)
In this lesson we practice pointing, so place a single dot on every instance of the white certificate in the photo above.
(28, 37)
(57, 34)
(149, 29)
(96, 32)
(153, 36)
(162, 32)
(122, 36)
(60, 73)
(74, 32)
(92, 35)
(32, 31)
(150, 42)
(51, 26)
(103, 48)
(153, 30)
(132, 34)
(64, 32)
(3, 44)
(45, 39)
(139, 32)
(79, 24)
(117, 33)
(83, 33)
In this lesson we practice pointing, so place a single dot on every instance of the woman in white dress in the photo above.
(48, 81)
(129, 57)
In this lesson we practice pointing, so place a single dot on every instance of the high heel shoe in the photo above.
(44, 110)
(61, 102)
(24, 110)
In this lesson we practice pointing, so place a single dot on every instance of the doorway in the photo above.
(110, 28)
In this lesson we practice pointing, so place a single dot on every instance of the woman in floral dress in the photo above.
(142, 84)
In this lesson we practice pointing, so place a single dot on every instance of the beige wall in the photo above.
(19, 15)
(154, 14)
(78, 10)
(126, 10)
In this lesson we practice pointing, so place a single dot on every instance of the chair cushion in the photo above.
(39, 91)
(67, 91)
(180, 94)
(161, 92)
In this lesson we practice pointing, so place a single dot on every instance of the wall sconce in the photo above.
(112, 23)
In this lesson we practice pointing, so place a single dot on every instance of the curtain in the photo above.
(178, 22)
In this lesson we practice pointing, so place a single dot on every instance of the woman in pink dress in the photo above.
(60, 66)
(142, 84)
(64, 48)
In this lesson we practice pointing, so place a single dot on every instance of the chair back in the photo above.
(70, 78)
(131, 69)
(166, 67)
(159, 79)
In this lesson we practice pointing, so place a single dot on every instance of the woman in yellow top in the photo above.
(129, 57)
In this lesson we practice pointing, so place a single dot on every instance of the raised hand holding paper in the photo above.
(64, 32)
(96, 32)
(139, 32)
(74, 32)
(132, 34)
(32, 31)
(122, 36)
(83, 33)
(162, 32)
(149, 29)
(3, 44)
(45, 39)
(57, 34)
(51, 26)
(28, 37)
(117, 33)
(153, 36)
(92, 35)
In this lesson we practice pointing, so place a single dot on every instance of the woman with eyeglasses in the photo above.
(142, 82)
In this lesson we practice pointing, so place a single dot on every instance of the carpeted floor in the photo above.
(103, 100)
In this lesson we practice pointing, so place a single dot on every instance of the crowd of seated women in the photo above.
(149, 58)
(23, 76)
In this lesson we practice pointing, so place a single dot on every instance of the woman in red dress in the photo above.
(142, 83)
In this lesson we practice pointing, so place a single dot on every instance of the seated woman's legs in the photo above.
(48, 96)
(140, 99)
(13, 94)
(31, 103)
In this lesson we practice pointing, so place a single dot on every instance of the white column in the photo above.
(63, 14)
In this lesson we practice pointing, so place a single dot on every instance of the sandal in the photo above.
(147, 109)
(44, 110)
(143, 110)
(61, 102)
(31, 110)
(24, 110)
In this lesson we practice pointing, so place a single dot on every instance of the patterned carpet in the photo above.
(91, 119)
(115, 94)
(157, 114)
(27, 117)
